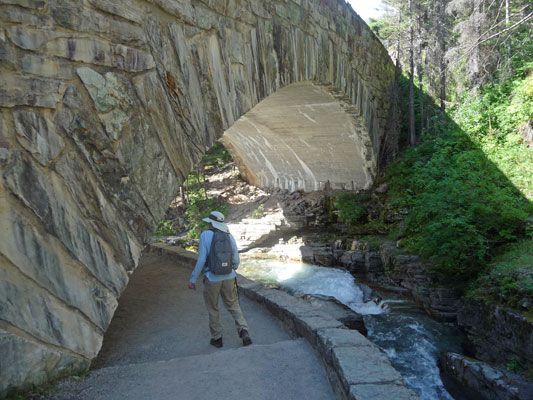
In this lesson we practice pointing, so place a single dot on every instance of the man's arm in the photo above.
(200, 262)
(234, 253)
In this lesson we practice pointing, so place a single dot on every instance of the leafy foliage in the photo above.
(164, 228)
(350, 207)
(508, 279)
(216, 156)
(198, 206)
(258, 212)
(461, 204)
(198, 210)
(499, 108)
(494, 118)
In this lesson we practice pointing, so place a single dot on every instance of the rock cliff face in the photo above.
(498, 335)
(470, 379)
(104, 108)
(385, 266)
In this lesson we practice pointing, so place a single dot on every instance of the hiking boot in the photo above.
(246, 340)
(216, 342)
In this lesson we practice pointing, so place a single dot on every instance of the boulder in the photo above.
(373, 263)
(353, 261)
(497, 334)
(479, 380)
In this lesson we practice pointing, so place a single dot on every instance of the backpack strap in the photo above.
(211, 248)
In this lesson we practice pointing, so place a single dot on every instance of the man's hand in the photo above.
(192, 286)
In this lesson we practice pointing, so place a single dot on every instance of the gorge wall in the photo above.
(105, 106)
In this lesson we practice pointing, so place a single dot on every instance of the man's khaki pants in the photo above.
(228, 291)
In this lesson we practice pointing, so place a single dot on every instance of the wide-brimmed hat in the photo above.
(217, 219)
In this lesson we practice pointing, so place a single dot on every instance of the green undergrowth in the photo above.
(165, 228)
(508, 279)
(468, 189)
(198, 205)
(461, 205)
(198, 210)
(44, 390)
(468, 186)
(495, 119)
(216, 157)
(351, 207)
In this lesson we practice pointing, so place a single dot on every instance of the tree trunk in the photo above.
(429, 108)
(442, 42)
(205, 181)
(508, 39)
(398, 68)
(429, 66)
(412, 132)
(182, 195)
(419, 68)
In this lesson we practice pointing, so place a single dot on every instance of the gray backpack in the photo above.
(219, 260)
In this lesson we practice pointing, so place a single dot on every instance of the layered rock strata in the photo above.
(384, 265)
(105, 106)
(476, 379)
(498, 335)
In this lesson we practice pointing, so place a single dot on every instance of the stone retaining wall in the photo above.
(357, 369)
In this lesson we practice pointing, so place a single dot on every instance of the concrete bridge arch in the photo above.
(105, 107)
(303, 137)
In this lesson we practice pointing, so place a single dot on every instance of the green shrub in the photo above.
(198, 206)
(351, 207)
(469, 186)
(513, 364)
(164, 228)
(508, 279)
(216, 156)
(258, 212)
(197, 211)
(461, 204)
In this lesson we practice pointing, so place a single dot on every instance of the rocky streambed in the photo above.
(419, 324)
(407, 336)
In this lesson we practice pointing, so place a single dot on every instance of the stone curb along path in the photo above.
(356, 367)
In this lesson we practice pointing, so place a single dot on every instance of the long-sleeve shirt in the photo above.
(203, 250)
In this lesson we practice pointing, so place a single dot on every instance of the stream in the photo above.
(410, 339)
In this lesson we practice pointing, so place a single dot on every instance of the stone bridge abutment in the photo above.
(105, 106)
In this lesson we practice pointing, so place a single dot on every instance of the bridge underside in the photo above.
(302, 137)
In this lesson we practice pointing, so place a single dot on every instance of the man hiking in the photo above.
(218, 254)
